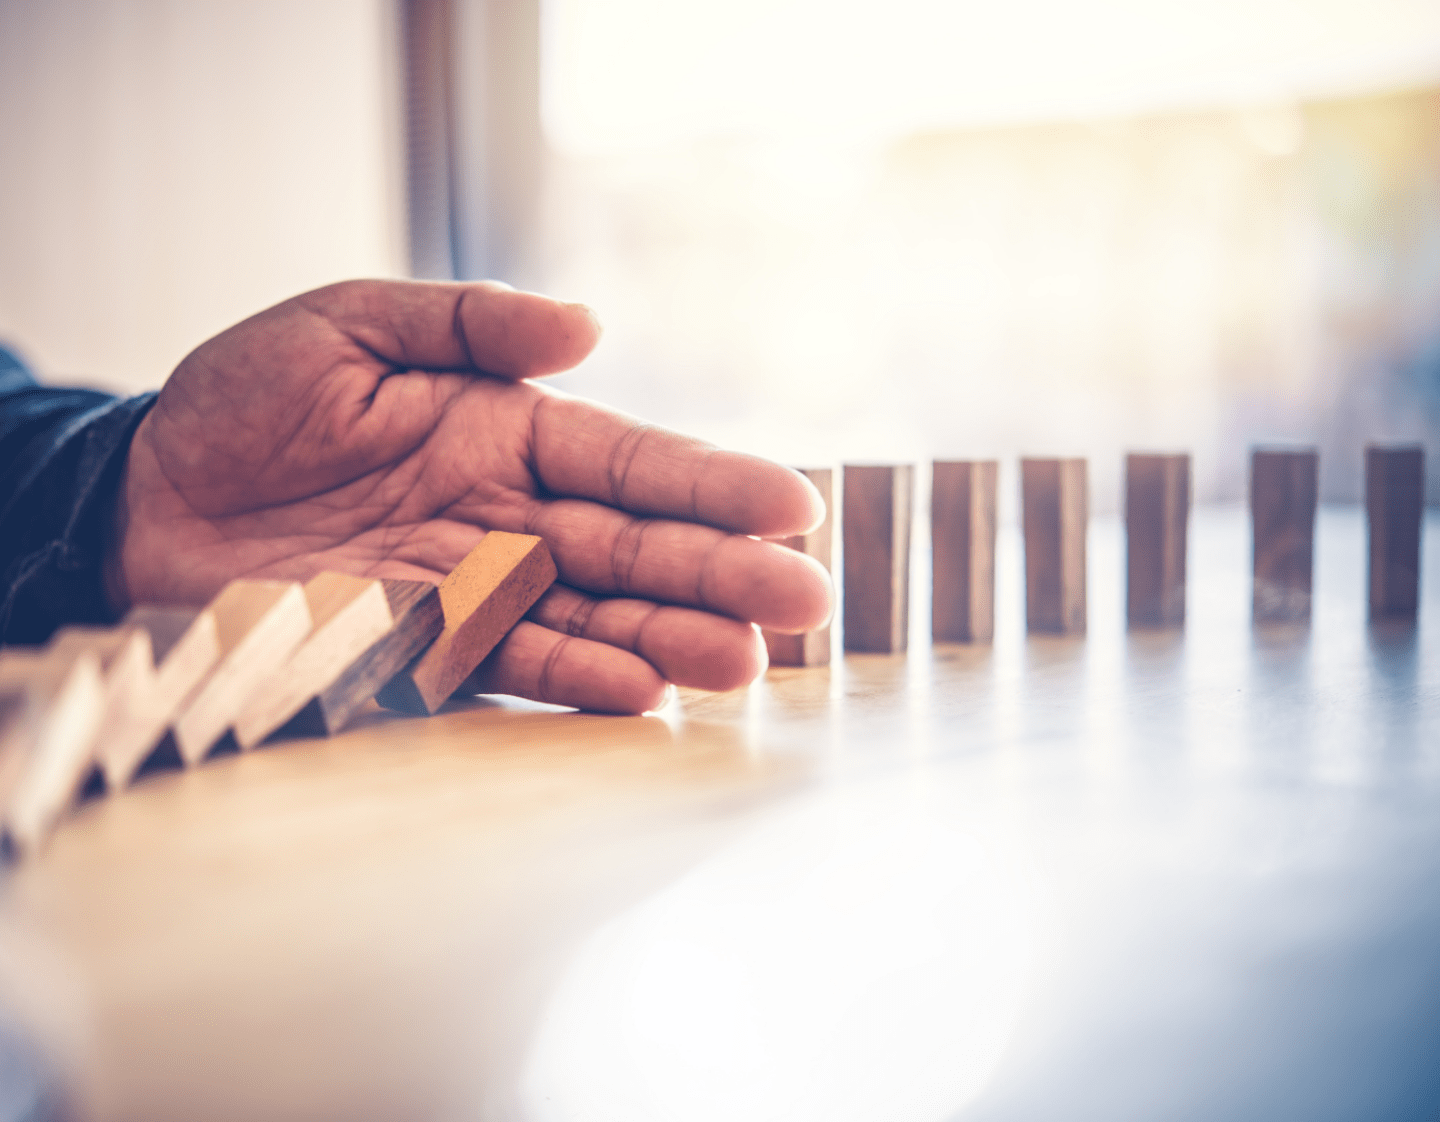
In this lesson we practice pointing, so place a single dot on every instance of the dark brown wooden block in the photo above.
(962, 542)
(813, 647)
(1157, 520)
(418, 620)
(1394, 507)
(485, 595)
(1283, 491)
(1056, 513)
(876, 525)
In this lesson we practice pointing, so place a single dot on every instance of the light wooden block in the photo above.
(1056, 510)
(1394, 508)
(183, 646)
(486, 595)
(1284, 485)
(259, 624)
(812, 648)
(49, 748)
(348, 615)
(418, 621)
(876, 526)
(1157, 521)
(963, 497)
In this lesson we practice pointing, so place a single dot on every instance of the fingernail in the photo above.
(589, 311)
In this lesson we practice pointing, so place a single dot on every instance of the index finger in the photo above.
(585, 450)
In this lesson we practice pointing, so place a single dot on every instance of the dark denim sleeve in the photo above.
(62, 452)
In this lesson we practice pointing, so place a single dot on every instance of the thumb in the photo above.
(483, 327)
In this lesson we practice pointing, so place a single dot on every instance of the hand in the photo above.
(380, 428)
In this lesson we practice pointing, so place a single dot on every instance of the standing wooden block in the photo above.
(962, 541)
(487, 594)
(48, 750)
(1283, 490)
(182, 645)
(1157, 519)
(1394, 506)
(878, 500)
(259, 623)
(813, 647)
(1056, 502)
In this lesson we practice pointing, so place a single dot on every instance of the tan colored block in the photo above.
(348, 614)
(419, 619)
(183, 645)
(483, 598)
(48, 750)
(259, 624)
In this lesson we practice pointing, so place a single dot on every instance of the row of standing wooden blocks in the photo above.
(1055, 517)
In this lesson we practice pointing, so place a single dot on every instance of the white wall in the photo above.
(167, 168)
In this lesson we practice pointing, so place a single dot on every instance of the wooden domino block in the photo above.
(364, 632)
(418, 621)
(1283, 491)
(49, 748)
(876, 526)
(183, 645)
(259, 624)
(813, 647)
(1394, 507)
(962, 542)
(1055, 500)
(1157, 520)
(487, 594)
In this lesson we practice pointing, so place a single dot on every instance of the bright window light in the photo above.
(623, 74)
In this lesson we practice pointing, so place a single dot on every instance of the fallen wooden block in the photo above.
(418, 621)
(182, 646)
(49, 747)
(259, 623)
(1157, 519)
(1394, 507)
(812, 648)
(125, 669)
(963, 497)
(1283, 490)
(357, 643)
(1055, 498)
(483, 598)
(876, 526)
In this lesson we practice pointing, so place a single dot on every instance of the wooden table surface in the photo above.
(1125, 877)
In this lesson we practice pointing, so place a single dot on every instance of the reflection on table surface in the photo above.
(1130, 877)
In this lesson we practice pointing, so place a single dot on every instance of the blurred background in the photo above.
(821, 231)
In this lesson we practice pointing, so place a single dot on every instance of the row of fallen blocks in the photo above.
(1284, 486)
(265, 658)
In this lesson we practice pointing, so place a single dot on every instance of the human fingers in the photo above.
(687, 647)
(544, 665)
(484, 326)
(588, 451)
(600, 549)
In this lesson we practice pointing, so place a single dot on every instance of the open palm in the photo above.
(381, 428)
